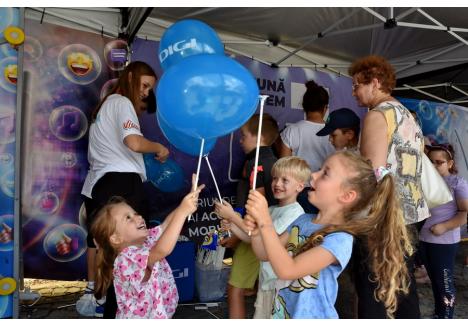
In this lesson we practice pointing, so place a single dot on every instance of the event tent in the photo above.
(415, 40)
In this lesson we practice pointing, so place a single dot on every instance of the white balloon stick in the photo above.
(257, 150)
(214, 179)
(195, 185)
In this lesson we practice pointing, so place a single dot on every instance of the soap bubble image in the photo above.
(47, 202)
(425, 110)
(7, 125)
(68, 159)
(6, 232)
(6, 159)
(115, 54)
(107, 87)
(32, 49)
(8, 16)
(79, 64)
(6, 50)
(68, 123)
(7, 182)
(65, 242)
(82, 216)
(9, 74)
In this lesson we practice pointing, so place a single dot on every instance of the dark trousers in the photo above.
(439, 260)
(368, 307)
(123, 184)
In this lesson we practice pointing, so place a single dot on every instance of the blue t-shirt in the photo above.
(312, 296)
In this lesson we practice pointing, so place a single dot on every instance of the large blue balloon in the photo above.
(183, 142)
(167, 176)
(186, 38)
(207, 96)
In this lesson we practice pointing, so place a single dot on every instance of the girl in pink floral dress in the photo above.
(134, 258)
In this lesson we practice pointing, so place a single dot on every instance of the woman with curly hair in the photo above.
(392, 139)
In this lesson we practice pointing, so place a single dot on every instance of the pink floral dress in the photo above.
(155, 298)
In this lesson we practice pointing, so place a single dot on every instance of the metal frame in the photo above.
(17, 232)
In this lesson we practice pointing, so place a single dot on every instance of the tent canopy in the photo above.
(415, 40)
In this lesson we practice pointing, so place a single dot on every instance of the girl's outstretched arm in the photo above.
(168, 239)
(284, 266)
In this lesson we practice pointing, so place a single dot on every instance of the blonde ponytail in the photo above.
(376, 216)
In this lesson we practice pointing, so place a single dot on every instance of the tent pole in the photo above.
(459, 90)
(134, 25)
(405, 13)
(424, 86)
(199, 12)
(430, 57)
(375, 14)
(318, 35)
(246, 55)
(426, 93)
(435, 21)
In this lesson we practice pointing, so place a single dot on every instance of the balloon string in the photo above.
(195, 185)
(214, 179)
(257, 150)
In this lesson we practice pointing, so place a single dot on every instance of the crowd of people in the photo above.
(322, 206)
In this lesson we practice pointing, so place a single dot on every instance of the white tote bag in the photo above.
(435, 189)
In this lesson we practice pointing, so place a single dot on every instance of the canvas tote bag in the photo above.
(435, 189)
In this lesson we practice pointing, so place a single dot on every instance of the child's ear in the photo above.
(348, 196)
(115, 239)
(300, 187)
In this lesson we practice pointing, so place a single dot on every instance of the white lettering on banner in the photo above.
(267, 85)
(177, 47)
(180, 273)
(202, 230)
(209, 202)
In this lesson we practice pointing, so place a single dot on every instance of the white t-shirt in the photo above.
(282, 218)
(106, 149)
(301, 138)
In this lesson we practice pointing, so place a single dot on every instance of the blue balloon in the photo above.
(167, 176)
(207, 96)
(186, 38)
(183, 142)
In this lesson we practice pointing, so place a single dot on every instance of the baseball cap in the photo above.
(341, 118)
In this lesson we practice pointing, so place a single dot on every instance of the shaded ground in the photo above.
(58, 299)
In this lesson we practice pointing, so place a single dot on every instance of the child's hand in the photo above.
(438, 229)
(257, 208)
(190, 202)
(162, 154)
(250, 225)
(225, 225)
(224, 210)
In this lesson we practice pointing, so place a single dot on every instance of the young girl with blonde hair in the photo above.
(353, 200)
(133, 258)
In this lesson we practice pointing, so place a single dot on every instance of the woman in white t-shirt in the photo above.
(300, 139)
(115, 155)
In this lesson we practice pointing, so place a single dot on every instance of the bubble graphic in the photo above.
(8, 16)
(68, 123)
(9, 74)
(65, 243)
(46, 202)
(6, 159)
(7, 182)
(6, 232)
(32, 49)
(82, 216)
(3, 302)
(79, 64)
(6, 50)
(107, 87)
(425, 110)
(68, 159)
(115, 54)
(7, 125)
